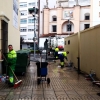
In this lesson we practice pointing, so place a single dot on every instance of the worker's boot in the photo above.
(98, 94)
(62, 66)
(11, 84)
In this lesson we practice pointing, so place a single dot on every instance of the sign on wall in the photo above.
(68, 14)
(15, 13)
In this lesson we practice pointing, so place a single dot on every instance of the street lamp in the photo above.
(34, 11)
(34, 38)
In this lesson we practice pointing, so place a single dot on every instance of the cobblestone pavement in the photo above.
(65, 84)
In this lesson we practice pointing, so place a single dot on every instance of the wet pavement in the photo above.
(65, 84)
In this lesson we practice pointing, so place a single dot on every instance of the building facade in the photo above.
(9, 24)
(67, 18)
(71, 16)
(44, 4)
(95, 12)
(28, 23)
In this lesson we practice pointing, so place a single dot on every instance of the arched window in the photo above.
(54, 18)
(87, 16)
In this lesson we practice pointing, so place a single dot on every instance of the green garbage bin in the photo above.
(26, 51)
(23, 61)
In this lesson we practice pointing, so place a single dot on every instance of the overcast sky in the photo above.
(52, 3)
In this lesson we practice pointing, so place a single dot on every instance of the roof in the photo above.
(54, 34)
(47, 35)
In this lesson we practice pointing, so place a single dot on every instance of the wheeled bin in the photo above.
(23, 61)
(42, 71)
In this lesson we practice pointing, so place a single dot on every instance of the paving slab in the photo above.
(66, 84)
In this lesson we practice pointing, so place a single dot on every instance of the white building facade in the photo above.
(44, 4)
(27, 21)
(80, 14)
(88, 10)
(95, 12)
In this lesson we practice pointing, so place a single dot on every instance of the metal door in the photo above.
(4, 36)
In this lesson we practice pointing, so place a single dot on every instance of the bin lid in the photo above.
(23, 51)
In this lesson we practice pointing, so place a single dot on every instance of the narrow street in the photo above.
(65, 84)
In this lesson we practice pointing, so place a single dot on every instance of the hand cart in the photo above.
(42, 72)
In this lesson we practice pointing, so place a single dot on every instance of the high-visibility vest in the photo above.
(65, 54)
(12, 54)
(56, 49)
(61, 63)
(11, 79)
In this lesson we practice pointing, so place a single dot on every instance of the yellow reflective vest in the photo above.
(56, 49)
(12, 54)
(12, 57)
(65, 54)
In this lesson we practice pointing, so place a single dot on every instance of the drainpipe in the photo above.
(78, 61)
(78, 58)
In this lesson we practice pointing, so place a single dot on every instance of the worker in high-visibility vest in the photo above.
(12, 57)
(56, 52)
(61, 57)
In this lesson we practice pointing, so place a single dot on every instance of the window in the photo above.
(23, 21)
(31, 4)
(69, 27)
(54, 18)
(30, 39)
(23, 13)
(24, 36)
(87, 16)
(23, 4)
(30, 20)
(30, 28)
(23, 29)
(54, 28)
(68, 42)
(86, 26)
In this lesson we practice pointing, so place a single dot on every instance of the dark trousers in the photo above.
(56, 54)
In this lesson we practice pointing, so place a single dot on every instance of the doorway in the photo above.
(4, 36)
(4, 43)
